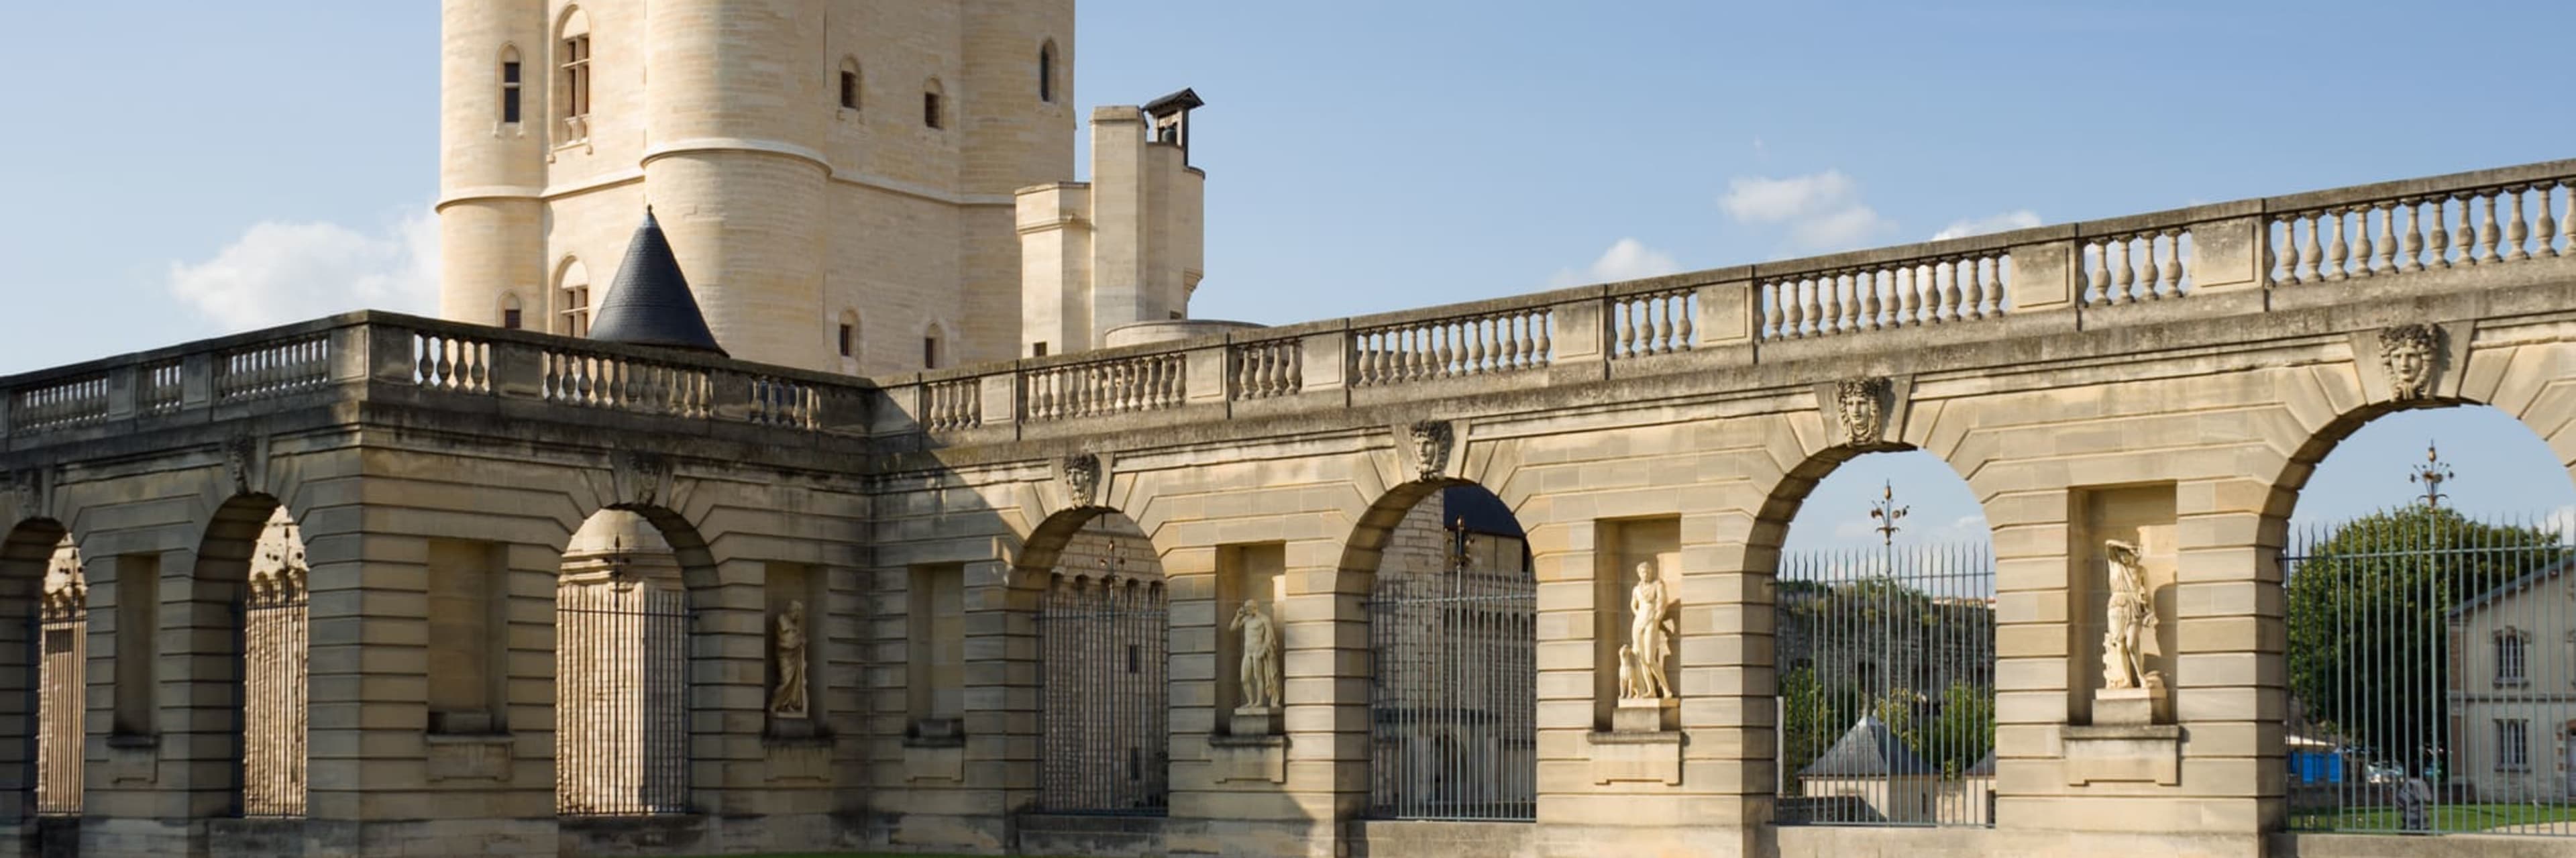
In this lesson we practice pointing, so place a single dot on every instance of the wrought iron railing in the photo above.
(1886, 686)
(1104, 667)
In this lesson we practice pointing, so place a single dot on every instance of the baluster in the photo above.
(2546, 228)
(1908, 286)
(1809, 310)
(2387, 262)
(2516, 231)
(2151, 272)
(2567, 220)
(1681, 320)
(2100, 278)
(421, 364)
(1942, 304)
(2438, 236)
(2312, 256)
(2360, 242)
(1661, 342)
(2331, 268)
(1982, 284)
(2466, 237)
(1538, 328)
(1771, 301)
(1621, 338)
(1793, 304)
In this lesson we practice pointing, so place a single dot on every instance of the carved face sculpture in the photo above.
(2407, 352)
(1082, 478)
(1431, 448)
(1857, 406)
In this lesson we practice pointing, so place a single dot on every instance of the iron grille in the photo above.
(1453, 696)
(275, 638)
(63, 653)
(1104, 670)
(621, 699)
(1886, 686)
(2432, 674)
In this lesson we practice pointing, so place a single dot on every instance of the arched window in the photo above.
(846, 335)
(510, 315)
(572, 78)
(1046, 72)
(572, 281)
(930, 106)
(850, 83)
(510, 85)
(2512, 658)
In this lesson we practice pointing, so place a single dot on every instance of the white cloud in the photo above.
(1627, 259)
(283, 272)
(2011, 220)
(1822, 211)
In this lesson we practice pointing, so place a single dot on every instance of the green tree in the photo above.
(2368, 610)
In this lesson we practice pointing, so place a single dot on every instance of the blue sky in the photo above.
(1361, 156)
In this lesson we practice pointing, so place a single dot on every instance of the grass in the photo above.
(2447, 817)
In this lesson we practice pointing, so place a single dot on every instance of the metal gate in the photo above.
(1104, 667)
(275, 636)
(63, 656)
(1453, 695)
(1886, 686)
(2431, 676)
(621, 699)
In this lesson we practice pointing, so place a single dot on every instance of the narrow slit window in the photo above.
(849, 337)
(850, 89)
(930, 109)
(510, 89)
(1046, 74)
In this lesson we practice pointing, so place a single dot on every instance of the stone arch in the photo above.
(627, 719)
(251, 572)
(26, 552)
(1452, 633)
(1103, 629)
(1883, 647)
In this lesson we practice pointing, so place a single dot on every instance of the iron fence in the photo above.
(62, 664)
(621, 699)
(1104, 667)
(1453, 695)
(2432, 674)
(1886, 686)
(275, 635)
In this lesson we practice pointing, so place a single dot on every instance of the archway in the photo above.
(622, 607)
(2430, 624)
(252, 559)
(1103, 666)
(1453, 667)
(45, 767)
(1883, 640)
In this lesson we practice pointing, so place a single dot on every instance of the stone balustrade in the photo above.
(2381, 233)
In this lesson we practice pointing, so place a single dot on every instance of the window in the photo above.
(574, 283)
(1038, 350)
(930, 109)
(2513, 745)
(1046, 73)
(850, 89)
(2512, 649)
(510, 317)
(930, 352)
(848, 337)
(572, 78)
(510, 85)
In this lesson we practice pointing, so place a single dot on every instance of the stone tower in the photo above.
(837, 177)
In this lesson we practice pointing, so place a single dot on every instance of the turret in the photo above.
(1122, 249)
(492, 139)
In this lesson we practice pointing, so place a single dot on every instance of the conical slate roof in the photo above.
(1867, 750)
(649, 304)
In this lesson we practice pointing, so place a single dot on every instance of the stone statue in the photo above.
(1258, 676)
(1431, 442)
(2129, 621)
(789, 698)
(2407, 352)
(1651, 629)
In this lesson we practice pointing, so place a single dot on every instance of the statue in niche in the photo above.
(1651, 629)
(2407, 352)
(2129, 621)
(789, 698)
(1258, 674)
